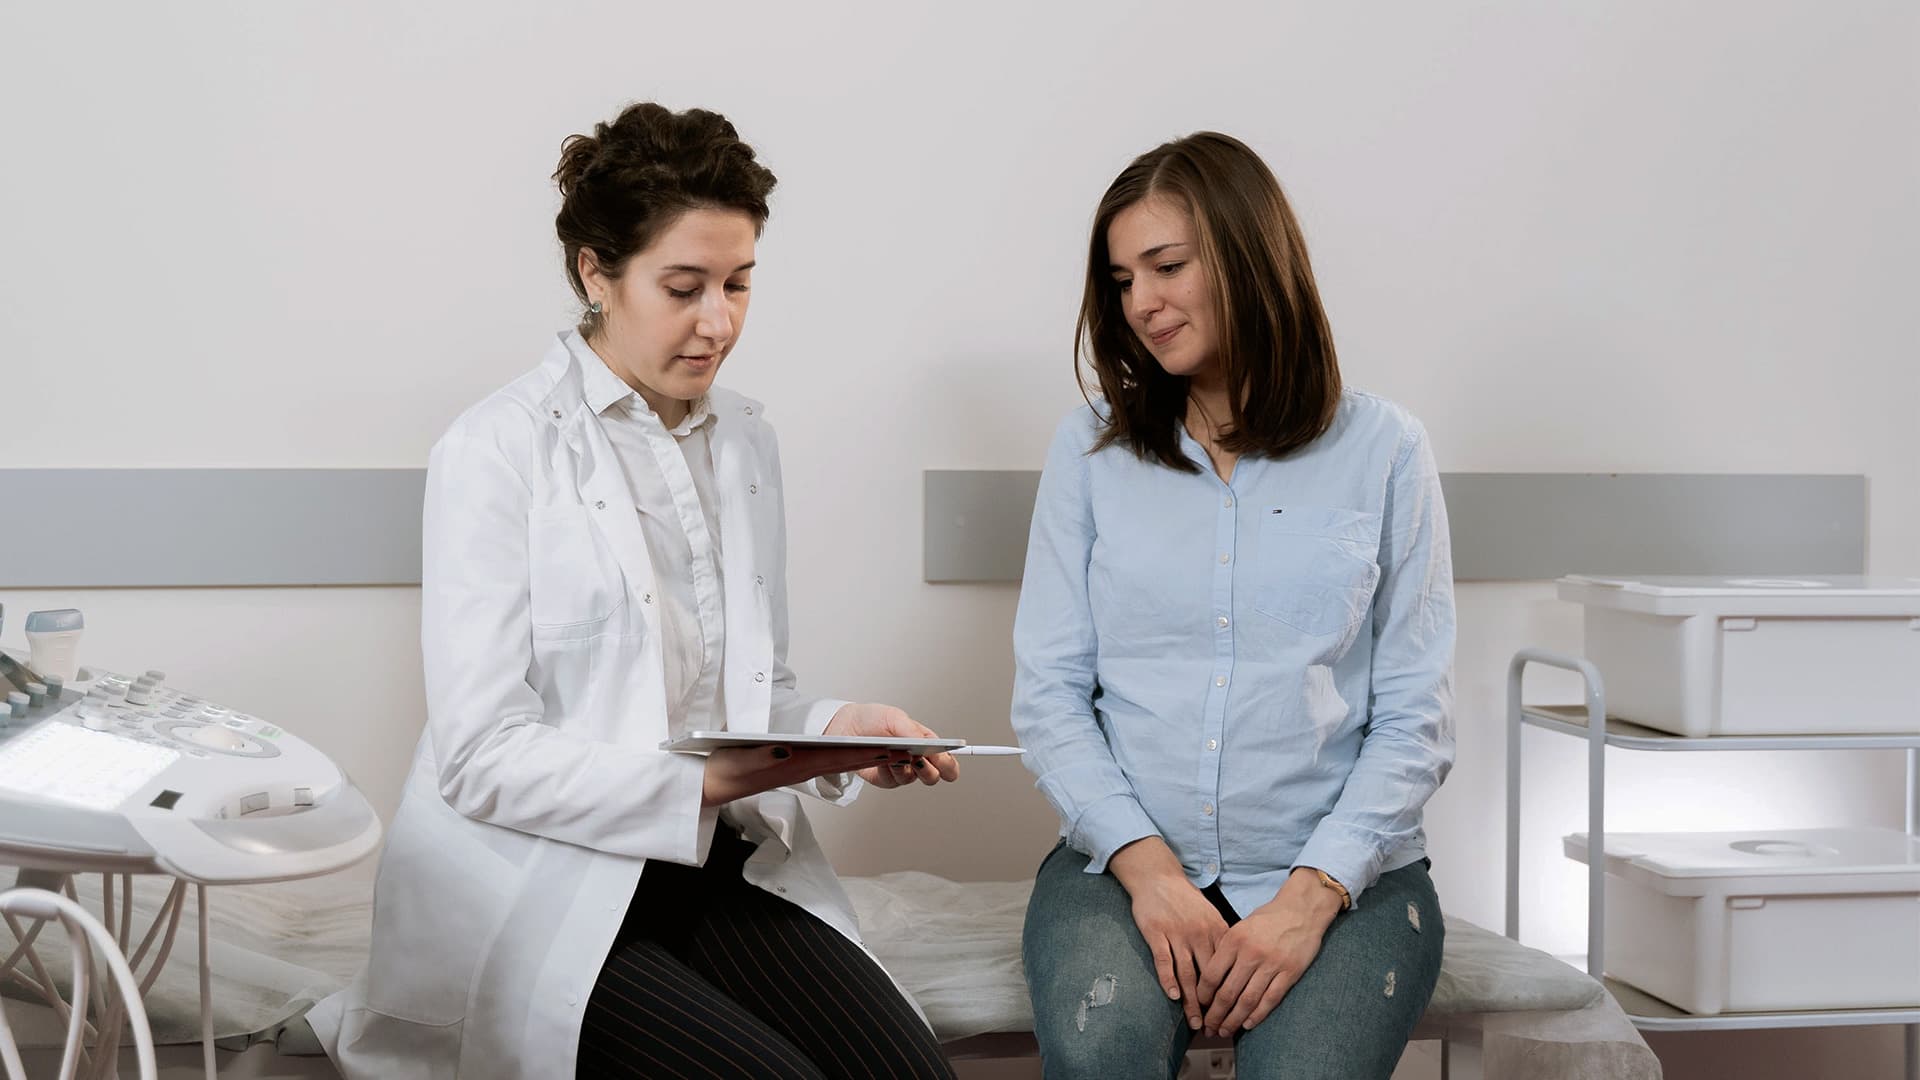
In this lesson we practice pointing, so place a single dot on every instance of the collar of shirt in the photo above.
(604, 390)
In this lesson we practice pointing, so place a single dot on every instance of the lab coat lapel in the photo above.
(603, 488)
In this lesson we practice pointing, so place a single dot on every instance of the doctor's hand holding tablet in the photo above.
(882, 743)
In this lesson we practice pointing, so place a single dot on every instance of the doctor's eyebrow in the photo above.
(685, 269)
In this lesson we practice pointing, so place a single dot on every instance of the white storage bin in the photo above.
(1756, 656)
(1762, 921)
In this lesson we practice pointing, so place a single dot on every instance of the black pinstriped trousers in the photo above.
(714, 977)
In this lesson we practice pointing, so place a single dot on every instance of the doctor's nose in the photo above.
(716, 321)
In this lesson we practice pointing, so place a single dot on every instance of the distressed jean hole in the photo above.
(1102, 993)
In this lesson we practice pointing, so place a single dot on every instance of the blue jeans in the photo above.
(1098, 1010)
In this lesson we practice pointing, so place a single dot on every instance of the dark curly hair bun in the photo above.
(631, 178)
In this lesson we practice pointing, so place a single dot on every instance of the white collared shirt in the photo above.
(670, 475)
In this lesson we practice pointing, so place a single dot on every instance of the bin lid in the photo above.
(1784, 594)
(1674, 860)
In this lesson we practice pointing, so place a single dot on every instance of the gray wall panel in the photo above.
(81, 528)
(1534, 526)
(1509, 526)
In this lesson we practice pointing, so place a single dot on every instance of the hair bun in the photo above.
(578, 155)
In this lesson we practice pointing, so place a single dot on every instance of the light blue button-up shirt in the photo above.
(1257, 672)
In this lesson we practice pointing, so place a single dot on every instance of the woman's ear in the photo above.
(595, 279)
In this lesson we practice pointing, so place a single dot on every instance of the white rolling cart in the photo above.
(1591, 723)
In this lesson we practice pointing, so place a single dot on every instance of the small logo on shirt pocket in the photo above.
(1315, 570)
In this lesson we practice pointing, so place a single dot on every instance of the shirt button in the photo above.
(573, 999)
(556, 414)
(1213, 868)
(1213, 744)
(1206, 808)
(647, 599)
(753, 489)
(1224, 559)
(1219, 680)
(759, 676)
(1228, 504)
(599, 505)
(781, 889)
(759, 580)
(1223, 622)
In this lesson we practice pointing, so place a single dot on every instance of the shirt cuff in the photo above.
(820, 714)
(703, 840)
(837, 789)
(1349, 863)
(1109, 825)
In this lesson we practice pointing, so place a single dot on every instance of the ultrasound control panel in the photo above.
(121, 772)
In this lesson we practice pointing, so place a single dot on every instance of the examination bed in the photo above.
(956, 946)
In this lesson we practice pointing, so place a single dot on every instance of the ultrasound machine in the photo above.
(128, 774)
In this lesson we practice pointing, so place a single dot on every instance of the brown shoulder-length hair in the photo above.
(1276, 350)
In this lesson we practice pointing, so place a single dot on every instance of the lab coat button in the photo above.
(759, 676)
(759, 580)
(781, 889)
(573, 999)
(599, 504)
(647, 599)
(556, 414)
(749, 410)
(753, 489)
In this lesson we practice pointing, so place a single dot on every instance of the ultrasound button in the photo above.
(219, 738)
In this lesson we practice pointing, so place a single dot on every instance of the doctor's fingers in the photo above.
(928, 770)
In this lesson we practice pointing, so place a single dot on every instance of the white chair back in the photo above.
(85, 936)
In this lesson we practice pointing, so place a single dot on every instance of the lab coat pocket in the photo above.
(574, 583)
(1316, 569)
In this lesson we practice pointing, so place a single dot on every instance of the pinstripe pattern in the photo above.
(714, 977)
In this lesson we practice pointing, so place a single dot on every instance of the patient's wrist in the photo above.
(1144, 861)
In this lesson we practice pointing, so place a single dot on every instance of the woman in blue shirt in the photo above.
(1233, 650)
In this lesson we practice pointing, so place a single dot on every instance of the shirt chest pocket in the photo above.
(1316, 569)
(575, 585)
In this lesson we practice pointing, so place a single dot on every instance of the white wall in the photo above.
(1629, 237)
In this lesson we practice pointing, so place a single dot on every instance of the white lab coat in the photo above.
(538, 791)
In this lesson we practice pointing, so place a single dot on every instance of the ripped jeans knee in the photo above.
(1098, 1007)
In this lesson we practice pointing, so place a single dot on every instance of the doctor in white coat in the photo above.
(604, 568)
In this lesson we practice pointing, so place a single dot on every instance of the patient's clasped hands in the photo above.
(1226, 979)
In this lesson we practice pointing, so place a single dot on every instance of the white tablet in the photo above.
(703, 742)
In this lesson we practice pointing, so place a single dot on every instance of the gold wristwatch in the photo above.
(1346, 898)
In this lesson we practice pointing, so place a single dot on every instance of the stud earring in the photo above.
(594, 309)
